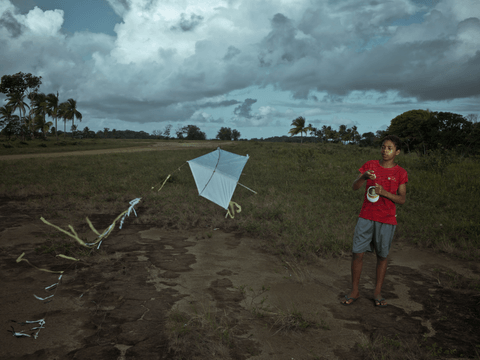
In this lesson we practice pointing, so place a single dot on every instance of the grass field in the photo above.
(305, 205)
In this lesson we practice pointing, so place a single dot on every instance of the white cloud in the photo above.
(42, 23)
(459, 10)
(468, 35)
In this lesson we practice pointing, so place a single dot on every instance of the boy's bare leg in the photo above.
(357, 263)
(381, 271)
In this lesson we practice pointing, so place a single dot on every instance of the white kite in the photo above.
(216, 175)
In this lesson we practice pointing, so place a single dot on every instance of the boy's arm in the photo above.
(398, 198)
(357, 184)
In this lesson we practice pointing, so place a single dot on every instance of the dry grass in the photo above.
(450, 279)
(280, 320)
(294, 320)
(204, 333)
(395, 348)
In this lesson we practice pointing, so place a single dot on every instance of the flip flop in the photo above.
(348, 299)
(378, 302)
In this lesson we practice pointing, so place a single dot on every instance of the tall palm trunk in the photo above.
(24, 123)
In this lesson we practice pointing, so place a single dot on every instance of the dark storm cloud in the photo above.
(224, 103)
(418, 69)
(219, 120)
(133, 110)
(282, 46)
(232, 51)
(11, 24)
(426, 69)
(188, 24)
(245, 110)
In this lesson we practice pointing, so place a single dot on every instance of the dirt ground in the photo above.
(157, 146)
(116, 304)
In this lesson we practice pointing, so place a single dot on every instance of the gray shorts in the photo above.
(372, 235)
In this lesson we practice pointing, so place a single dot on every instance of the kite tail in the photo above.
(231, 210)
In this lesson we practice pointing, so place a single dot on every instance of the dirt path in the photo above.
(116, 304)
(170, 145)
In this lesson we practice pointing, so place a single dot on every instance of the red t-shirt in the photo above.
(383, 210)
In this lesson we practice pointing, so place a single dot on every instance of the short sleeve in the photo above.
(404, 177)
(367, 166)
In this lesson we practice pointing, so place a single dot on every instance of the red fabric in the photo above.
(383, 210)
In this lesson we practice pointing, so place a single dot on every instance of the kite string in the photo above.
(168, 177)
(213, 173)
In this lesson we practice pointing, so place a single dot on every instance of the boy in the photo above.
(377, 219)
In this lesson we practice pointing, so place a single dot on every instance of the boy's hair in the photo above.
(395, 139)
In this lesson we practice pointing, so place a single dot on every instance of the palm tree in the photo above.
(300, 127)
(62, 112)
(313, 131)
(16, 101)
(28, 127)
(355, 135)
(42, 125)
(72, 112)
(8, 120)
(6, 114)
(53, 106)
(323, 133)
(39, 109)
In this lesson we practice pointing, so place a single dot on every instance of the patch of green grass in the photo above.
(304, 206)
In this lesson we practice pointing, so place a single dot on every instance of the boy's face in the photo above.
(389, 151)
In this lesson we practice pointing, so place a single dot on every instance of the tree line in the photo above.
(344, 134)
(21, 87)
(421, 131)
(424, 130)
(193, 132)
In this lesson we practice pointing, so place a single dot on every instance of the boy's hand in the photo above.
(369, 174)
(379, 189)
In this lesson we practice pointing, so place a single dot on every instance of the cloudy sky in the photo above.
(251, 65)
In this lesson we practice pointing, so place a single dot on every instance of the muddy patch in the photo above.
(118, 303)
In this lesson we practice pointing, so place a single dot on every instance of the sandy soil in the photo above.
(158, 146)
(114, 305)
